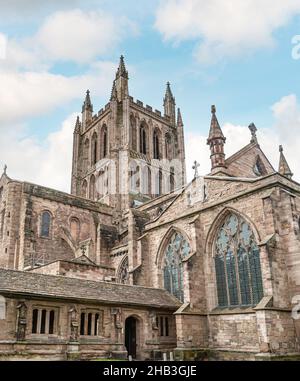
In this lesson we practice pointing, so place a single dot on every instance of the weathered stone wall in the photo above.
(109, 342)
(277, 333)
(25, 245)
(192, 331)
(10, 210)
(77, 270)
(233, 332)
(273, 217)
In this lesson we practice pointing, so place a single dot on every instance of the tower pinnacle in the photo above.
(169, 103)
(216, 141)
(87, 104)
(120, 85)
(122, 72)
(284, 168)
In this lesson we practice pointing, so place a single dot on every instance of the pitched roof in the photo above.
(245, 149)
(60, 287)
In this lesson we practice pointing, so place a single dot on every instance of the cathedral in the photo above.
(137, 262)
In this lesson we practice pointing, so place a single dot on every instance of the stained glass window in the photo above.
(177, 249)
(237, 264)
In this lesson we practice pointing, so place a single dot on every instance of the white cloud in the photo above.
(71, 35)
(285, 131)
(27, 94)
(224, 28)
(47, 163)
(78, 36)
(28, 88)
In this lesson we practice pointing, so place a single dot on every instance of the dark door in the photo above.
(130, 336)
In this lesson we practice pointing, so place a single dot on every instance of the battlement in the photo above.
(149, 110)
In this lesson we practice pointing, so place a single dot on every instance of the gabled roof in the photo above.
(28, 284)
(243, 150)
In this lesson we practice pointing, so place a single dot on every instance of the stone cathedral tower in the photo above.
(127, 153)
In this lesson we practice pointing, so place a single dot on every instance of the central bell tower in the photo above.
(127, 153)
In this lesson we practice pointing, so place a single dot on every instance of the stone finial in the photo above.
(216, 140)
(169, 94)
(169, 104)
(195, 168)
(122, 72)
(179, 118)
(215, 129)
(284, 168)
(253, 131)
(87, 104)
(5, 169)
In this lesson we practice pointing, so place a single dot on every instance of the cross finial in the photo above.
(213, 109)
(253, 131)
(195, 168)
(5, 169)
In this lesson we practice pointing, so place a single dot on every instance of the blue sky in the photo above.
(241, 60)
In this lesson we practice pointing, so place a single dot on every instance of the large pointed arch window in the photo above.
(237, 264)
(177, 249)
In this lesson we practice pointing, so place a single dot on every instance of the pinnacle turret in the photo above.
(87, 104)
(122, 72)
(216, 141)
(284, 168)
(169, 103)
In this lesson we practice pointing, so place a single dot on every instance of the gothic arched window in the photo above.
(103, 142)
(177, 249)
(146, 181)
(94, 149)
(86, 155)
(143, 139)
(169, 146)
(133, 132)
(75, 228)
(237, 264)
(172, 179)
(156, 152)
(45, 224)
(84, 189)
(92, 188)
(123, 273)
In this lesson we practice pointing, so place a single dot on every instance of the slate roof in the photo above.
(60, 287)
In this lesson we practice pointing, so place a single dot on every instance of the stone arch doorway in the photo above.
(131, 336)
